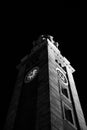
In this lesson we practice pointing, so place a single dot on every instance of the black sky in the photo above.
(19, 32)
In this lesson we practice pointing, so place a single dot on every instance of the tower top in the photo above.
(44, 40)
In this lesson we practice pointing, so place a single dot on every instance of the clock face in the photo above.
(62, 76)
(31, 74)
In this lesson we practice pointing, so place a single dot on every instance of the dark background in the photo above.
(20, 29)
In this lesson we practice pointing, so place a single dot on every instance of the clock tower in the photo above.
(45, 95)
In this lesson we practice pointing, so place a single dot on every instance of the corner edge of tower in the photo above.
(63, 60)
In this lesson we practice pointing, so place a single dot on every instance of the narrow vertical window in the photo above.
(68, 114)
(65, 92)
